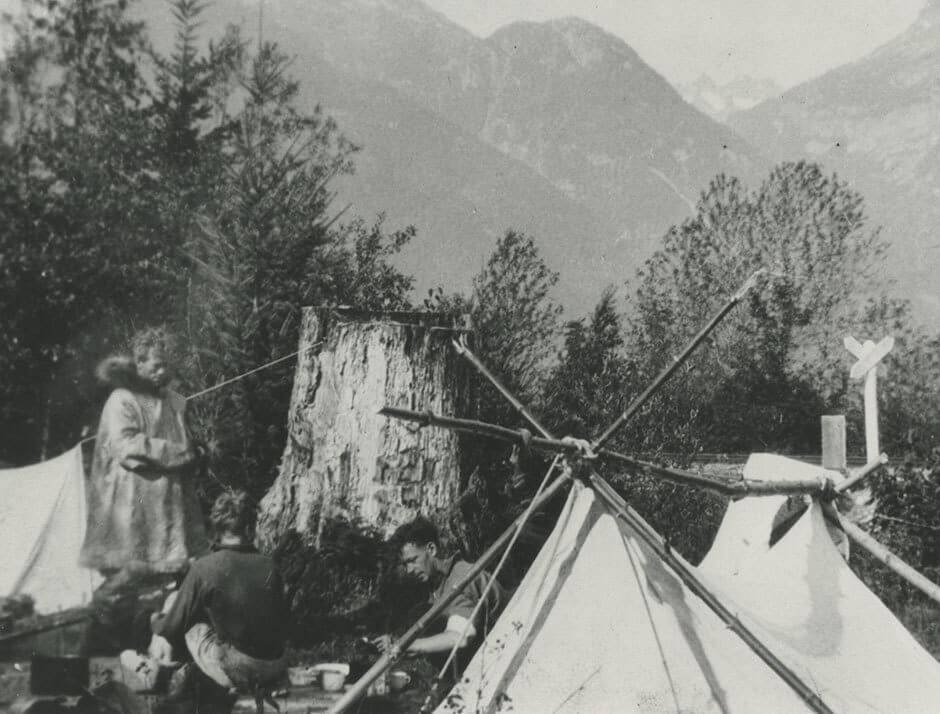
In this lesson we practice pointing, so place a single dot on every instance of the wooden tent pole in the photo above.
(735, 488)
(929, 588)
(358, 689)
(464, 351)
(656, 542)
(860, 473)
(666, 373)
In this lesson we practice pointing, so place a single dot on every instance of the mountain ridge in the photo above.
(873, 121)
(558, 128)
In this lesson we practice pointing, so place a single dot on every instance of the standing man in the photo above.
(142, 505)
(418, 544)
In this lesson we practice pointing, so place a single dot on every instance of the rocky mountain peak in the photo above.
(586, 45)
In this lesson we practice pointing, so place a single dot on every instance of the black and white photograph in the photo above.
(469, 356)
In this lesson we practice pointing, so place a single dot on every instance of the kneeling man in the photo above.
(229, 613)
(418, 544)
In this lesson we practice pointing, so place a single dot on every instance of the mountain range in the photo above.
(559, 129)
(876, 122)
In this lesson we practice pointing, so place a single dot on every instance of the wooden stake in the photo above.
(833, 442)
(869, 354)
(871, 414)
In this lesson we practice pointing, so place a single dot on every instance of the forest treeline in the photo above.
(186, 189)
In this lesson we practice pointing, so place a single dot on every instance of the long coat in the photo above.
(142, 504)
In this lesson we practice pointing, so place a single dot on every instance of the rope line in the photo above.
(901, 521)
(250, 372)
(231, 380)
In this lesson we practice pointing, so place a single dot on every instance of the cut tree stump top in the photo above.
(440, 320)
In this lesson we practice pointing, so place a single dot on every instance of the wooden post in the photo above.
(871, 414)
(833, 442)
(869, 355)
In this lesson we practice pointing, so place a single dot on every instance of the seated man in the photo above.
(229, 614)
(418, 543)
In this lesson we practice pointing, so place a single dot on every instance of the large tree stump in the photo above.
(344, 460)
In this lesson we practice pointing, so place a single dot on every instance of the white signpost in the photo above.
(869, 355)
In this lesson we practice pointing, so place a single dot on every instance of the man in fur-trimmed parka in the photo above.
(142, 505)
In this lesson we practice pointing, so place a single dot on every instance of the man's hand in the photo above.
(160, 650)
(383, 644)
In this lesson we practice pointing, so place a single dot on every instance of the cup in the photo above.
(332, 681)
(398, 680)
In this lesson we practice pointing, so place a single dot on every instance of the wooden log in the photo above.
(59, 633)
(341, 459)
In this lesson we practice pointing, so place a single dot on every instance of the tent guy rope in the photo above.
(236, 378)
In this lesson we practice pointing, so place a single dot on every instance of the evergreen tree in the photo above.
(515, 322)
(265, 247)
(587, 389)
(184, 190)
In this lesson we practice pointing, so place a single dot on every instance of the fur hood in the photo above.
(120, 372)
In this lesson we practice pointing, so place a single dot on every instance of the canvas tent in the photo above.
(600, 624)
(42, 526)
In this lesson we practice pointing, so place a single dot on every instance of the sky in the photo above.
(788, 41)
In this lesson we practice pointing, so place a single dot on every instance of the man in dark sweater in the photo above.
(229, 613)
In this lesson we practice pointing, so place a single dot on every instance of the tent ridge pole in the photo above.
(735, 488)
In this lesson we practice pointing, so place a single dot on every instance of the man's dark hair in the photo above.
(420, 531)
(233, 512)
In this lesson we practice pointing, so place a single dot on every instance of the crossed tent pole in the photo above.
(588, 454)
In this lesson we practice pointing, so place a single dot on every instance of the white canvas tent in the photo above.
(600, 624)
(42, 525)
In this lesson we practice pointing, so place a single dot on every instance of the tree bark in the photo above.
(342, 458)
